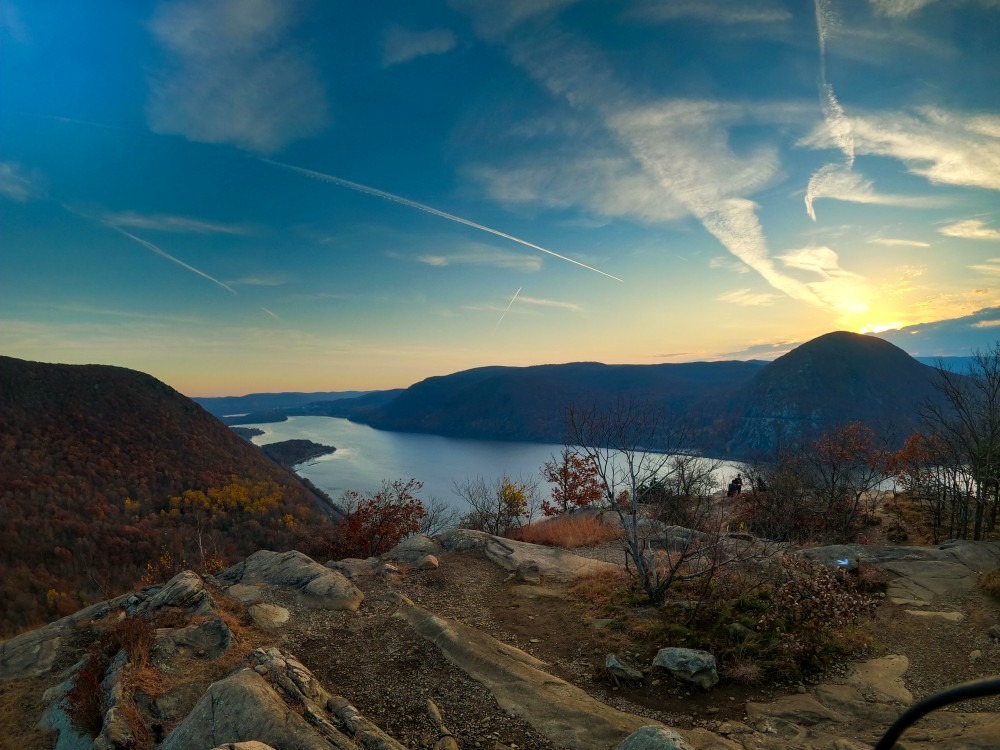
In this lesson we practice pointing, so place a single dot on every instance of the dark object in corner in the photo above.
(965, 691)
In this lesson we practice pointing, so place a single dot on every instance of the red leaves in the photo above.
(576, 482)
(377, 522)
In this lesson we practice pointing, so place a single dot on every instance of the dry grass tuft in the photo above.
(20, 706)
(571, 532)
(744, 670)
(990, 583)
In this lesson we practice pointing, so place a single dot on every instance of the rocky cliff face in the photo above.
(402, 651)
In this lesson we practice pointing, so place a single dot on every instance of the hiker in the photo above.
(735, 487)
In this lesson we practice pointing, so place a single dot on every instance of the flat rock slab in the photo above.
(562, 712)
(553, 563)
(922, 573)
(949, 616)
(883, 676)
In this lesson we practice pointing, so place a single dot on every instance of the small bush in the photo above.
(990, 583)
(570, 532)
(85, 704)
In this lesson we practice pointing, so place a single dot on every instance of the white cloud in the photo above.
(400, 45)
(548, 303)
(990, 267)
(17, 184)
(945, 147)
(892, 242)
(713, 11)
(987, 324)
(971, 229)
(815, 259)
(605, 184)
(748, 298)
(164, 223)
(899, 8)
(479, 255)
(840, 183)
(233, 75)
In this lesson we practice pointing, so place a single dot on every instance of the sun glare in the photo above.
(880, 327)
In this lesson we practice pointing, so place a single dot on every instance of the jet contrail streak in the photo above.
(421, 207)
(509, 305)
(163, 254)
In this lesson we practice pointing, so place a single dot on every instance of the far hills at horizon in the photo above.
(738, 409)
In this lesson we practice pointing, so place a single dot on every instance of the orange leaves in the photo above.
(576, 481)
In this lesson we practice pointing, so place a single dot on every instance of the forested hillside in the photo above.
(103, 470)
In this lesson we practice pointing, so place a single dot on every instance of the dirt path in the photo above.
(388, 672)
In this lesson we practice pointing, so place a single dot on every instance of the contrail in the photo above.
(837, 122)
(421, 207)
(509, 304)
(273, 315)
(163, 254)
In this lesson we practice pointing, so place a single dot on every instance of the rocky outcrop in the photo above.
(920, 573)
(280, 703)
(318, 585)
(654, 738)
(514, 556)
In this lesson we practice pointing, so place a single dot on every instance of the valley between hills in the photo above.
(165, 584)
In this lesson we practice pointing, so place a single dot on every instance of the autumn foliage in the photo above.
(376, 522)
(103, 469)
(575, 481)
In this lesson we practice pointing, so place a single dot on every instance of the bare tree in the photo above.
(640, 459)
(969, 422)
(440, 517)
(500, 505)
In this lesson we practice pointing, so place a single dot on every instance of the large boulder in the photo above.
(205, 640)
(185, 590)
(318, 585)
(412, 550)
(689, 665)
(253, 711)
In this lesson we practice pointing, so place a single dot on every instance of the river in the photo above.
(365, 456)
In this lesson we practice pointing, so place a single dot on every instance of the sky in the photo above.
(270, 195)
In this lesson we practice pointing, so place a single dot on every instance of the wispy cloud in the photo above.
(277, 279)
(971, 229)
(748, 298)
(480, 255)
(400, 45)
(990, 267)
(728, 264)
(893, 242)
(604, 183)
(840, 183)
(712, 11)
(571, 306)
(19, 184)
(233, 75)
(165, 223)
(819, 260)
(270, 313)
(492, 19)
(899, 8)
(765, 350)
(164, 254)
(945, 147)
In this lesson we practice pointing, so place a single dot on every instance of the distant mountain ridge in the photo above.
(222, 406)
(734, 408)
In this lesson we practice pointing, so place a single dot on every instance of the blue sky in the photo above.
(250, 195)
